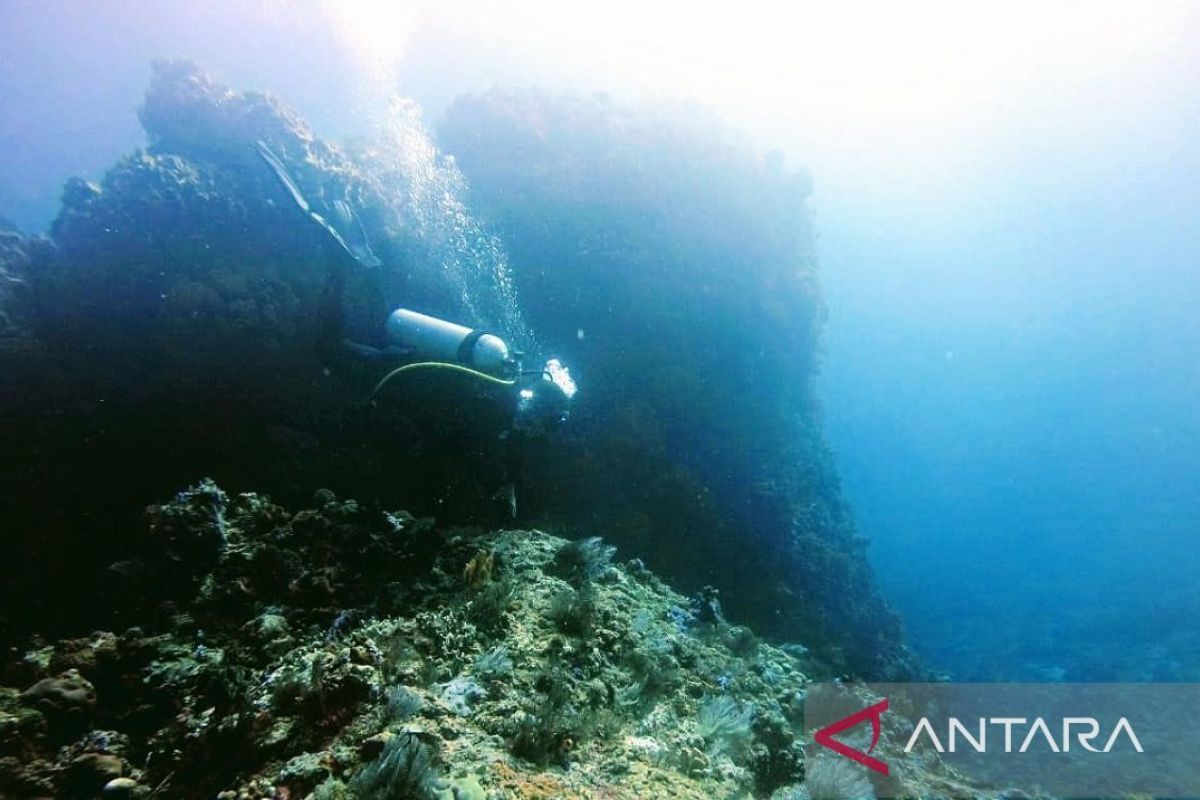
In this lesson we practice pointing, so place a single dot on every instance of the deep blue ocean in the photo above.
(1010, 362)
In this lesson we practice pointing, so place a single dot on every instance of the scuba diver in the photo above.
(539, 399)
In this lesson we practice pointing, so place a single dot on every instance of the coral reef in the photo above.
(330, 653)
(723, 724)
(190, 241)
(21, 355)
(478, 570)
(401, 772)
(709, 460)
(179, 296)
(168, 328)
(13, 262)
(830, 777)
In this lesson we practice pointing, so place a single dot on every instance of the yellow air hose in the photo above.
(439, 365)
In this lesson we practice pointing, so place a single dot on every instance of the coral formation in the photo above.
(178, 296)
(831, 777)
(401, 772)
(478, 570)
(22, 357)
(167, 329)
(67, 699)
(724, 725)
(583, 561)
(155, 254)
(330, 652)
(711, 464)
(13, 260)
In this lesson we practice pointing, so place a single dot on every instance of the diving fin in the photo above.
(284, 176)
(354, 237)
(359, 248)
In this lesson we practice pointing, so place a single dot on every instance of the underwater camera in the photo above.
(543, 396)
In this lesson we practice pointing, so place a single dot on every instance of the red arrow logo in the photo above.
(825, 736)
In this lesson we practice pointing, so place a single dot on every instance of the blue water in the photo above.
(1011, 385)
(1011, 361)
(1018, 434)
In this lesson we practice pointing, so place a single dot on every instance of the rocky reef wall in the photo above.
(168, 328)
(343, 651)
(678, 267)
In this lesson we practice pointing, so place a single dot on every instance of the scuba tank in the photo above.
(439, 340)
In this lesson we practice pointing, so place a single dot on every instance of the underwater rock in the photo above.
(22, 357)
(68, 694)
(179, 294)
(173, 320)
(463, 789)
(152, 257)
(705, 453)
(188, 262)
(13, 262)
(404, 692)
(90, 773)
(186, 111)
(461, 694)
(192, 528)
